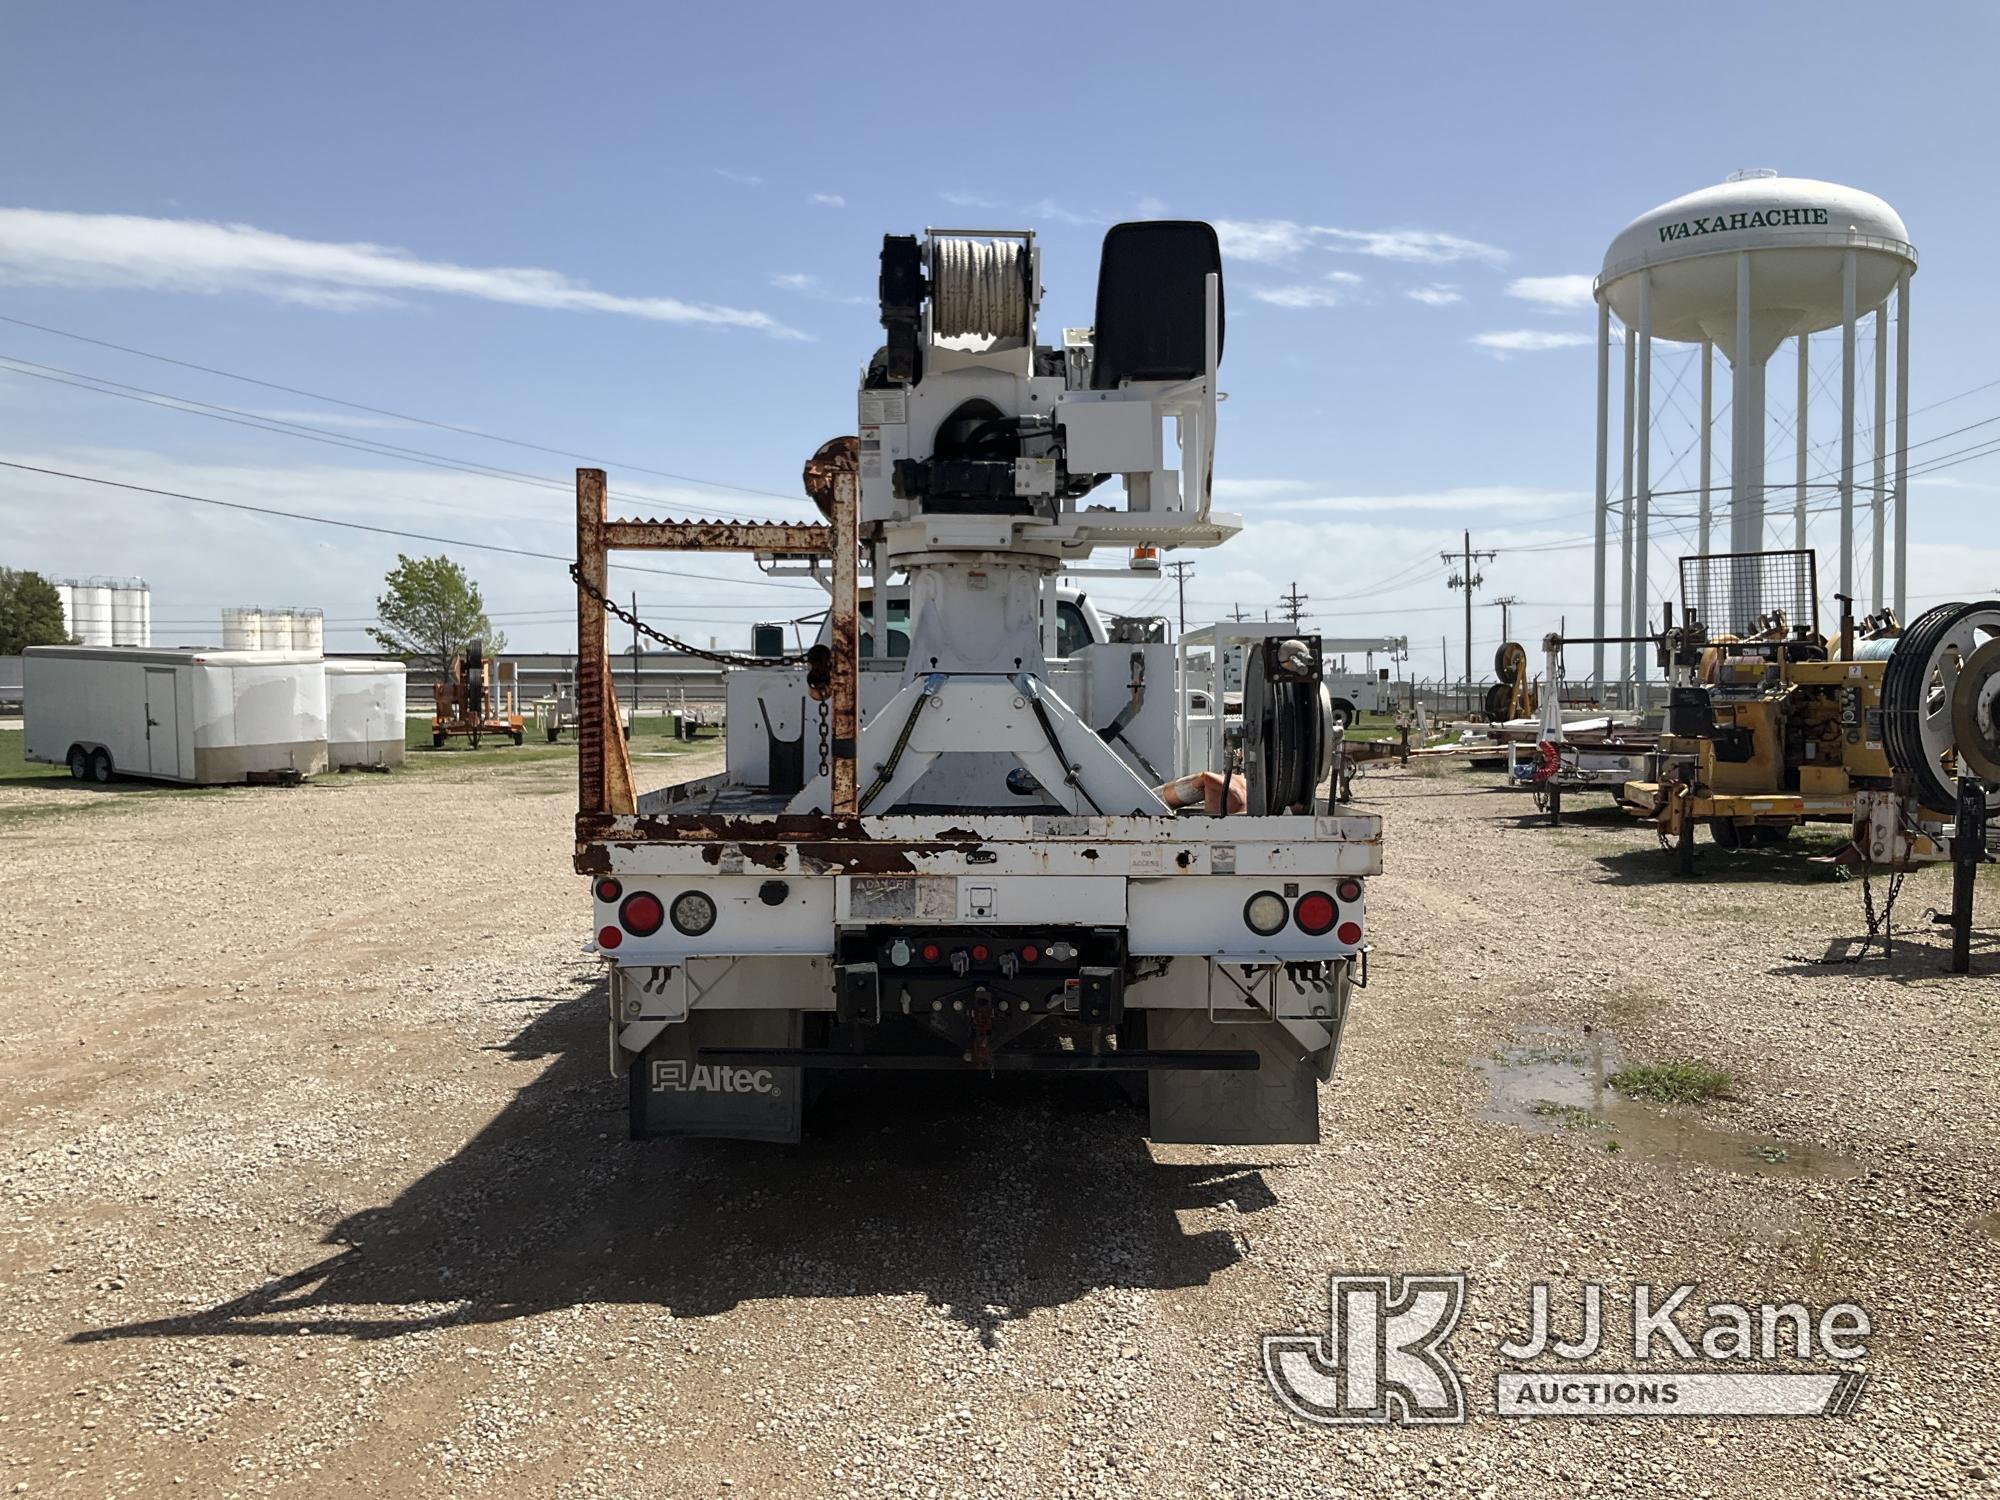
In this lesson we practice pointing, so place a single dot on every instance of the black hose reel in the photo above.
(1287, 724)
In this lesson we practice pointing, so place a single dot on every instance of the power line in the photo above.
(383, 411)
(415, 536)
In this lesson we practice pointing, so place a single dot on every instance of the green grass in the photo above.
(651, 735)
(1374, 727)
(1569, 1116)
(1672, 1082)
(14, 771)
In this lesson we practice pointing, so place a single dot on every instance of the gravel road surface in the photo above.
(315, 1183)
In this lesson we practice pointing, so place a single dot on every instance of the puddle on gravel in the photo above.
(1558, 1081)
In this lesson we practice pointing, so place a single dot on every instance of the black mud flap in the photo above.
(675, 1092)
(1278, 1105)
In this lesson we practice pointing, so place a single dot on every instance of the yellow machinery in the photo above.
(1782, 726)
(482, 698)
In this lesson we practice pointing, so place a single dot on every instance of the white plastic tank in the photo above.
(131, 614)
(365, 712)
(243, 630)
(66, 597)
(308, 630)
(278, 629)
(90, 614)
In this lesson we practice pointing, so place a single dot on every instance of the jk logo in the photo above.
(1383, 1357)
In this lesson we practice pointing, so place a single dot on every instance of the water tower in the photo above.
(1742, 267)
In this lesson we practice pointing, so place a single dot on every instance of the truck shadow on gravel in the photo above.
(992, 1199)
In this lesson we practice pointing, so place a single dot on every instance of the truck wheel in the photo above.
(79, 763)
(100, 765)
(1343, 714)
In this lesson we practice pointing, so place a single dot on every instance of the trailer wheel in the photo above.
(553, 732)
(437, 739)
(519, 735)
(1725, 833)
(79, 763)
(100, 765)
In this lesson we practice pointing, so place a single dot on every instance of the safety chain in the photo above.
(1878, 926)
(822, 737)
(726, 658)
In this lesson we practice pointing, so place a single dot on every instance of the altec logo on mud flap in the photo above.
(701, 1078)
(1383, 1357)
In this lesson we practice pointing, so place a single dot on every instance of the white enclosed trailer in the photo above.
(366, 713)
(191, 714)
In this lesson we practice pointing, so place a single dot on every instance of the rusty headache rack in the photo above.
(606, 799)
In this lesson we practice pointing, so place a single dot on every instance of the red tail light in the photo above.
(980, 953)
(609, 889)
(931, 953)
(1029, 953)
(1350, 932)
(1349, 890)
(642, 914)
(609, 937)
(1315, 913)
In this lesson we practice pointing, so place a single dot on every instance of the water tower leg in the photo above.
(1746, 477)
(1799, 459)
(1879, 552)
(1603, 488)
(1625, 510)
(1642, 538)
(1847, 424)
(1902, 434)
(1707, 465)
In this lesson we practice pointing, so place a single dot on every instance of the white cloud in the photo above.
(747, 179)
(1437, 294)
(1558, 293)
(1237, 491)
(826, 200)
(968, 200)
(1150, 207)
(1265, 241)
(354, 419)
(1528, 340)
(43, 248)
(1418, 246)
(1302, 296)
(808, 285)
(1048, 208)
(1519, 500)
(1345, 278)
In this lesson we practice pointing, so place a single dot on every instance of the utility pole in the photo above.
(635, 655)
(1181, 571)
(1468, 580)
(1505, 604)
(1239, 614)
(1293, 603)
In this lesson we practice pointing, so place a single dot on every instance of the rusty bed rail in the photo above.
(604, 766)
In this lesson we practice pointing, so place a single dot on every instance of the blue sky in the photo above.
(648, 234)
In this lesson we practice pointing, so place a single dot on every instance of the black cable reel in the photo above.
(1941, 703)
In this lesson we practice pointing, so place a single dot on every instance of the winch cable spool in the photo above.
(980, 287)
(1941, 702)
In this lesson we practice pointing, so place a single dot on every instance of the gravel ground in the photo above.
(315, 1183)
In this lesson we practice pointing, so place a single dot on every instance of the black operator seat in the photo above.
(1152, 301)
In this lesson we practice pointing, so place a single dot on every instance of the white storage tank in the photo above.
(308, 630)
(192, 714)
(131, 613)
(242, 630)
(277, 629)
(90, 613)
(365, 712)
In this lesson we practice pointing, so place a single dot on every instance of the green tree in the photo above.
(31, 612)
(430, 612)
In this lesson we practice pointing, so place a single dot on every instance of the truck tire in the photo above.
(1343, 714)
(100, 765)
(79, 763)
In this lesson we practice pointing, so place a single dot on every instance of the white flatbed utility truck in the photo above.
(979, 854)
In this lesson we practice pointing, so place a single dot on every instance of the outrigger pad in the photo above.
(675, 1093)
(1278, 1105)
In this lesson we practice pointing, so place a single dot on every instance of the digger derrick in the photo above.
(993, 863)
